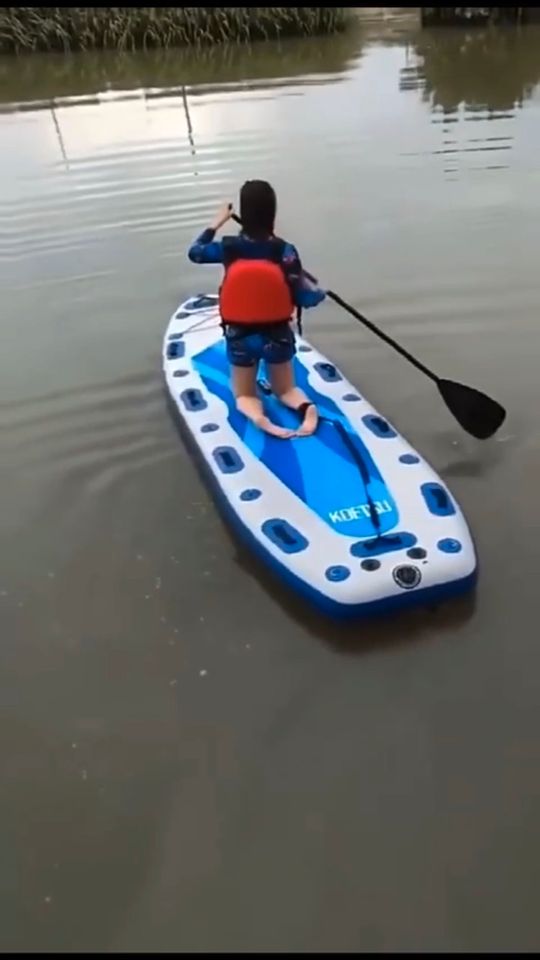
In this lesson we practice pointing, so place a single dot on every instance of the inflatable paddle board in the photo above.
(352, 518)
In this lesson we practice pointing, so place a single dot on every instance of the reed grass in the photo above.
(27, 29)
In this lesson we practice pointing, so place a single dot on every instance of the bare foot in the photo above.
(297, 400)
(272, 428)
(252, 408)
(310, 422)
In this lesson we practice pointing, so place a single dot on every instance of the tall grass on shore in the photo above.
(27, 29)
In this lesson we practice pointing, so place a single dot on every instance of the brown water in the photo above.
(189, 760)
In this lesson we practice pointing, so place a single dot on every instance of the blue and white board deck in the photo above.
(306, 506)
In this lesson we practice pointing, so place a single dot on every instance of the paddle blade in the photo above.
(478, 415)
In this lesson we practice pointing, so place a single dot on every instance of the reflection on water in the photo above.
(51, 76)
(190, 762)
(473, 77)
(489, 71)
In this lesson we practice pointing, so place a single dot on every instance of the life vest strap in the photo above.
(236, 248)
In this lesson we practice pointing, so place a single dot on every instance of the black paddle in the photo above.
(478, 414)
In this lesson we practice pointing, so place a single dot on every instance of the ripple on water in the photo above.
(406, 171)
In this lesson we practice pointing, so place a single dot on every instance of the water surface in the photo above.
(191, 761)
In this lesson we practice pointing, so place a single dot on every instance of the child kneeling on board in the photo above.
(262, 286)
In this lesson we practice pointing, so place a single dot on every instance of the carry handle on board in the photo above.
(478, 414)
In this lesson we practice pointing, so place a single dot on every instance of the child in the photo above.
(263, 283)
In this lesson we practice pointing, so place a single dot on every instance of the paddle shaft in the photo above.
(367, 323)
(379, 333)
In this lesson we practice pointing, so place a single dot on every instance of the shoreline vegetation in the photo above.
(70, 29)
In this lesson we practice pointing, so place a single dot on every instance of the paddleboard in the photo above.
(352, 518)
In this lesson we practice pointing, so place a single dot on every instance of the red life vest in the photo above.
(254, 291)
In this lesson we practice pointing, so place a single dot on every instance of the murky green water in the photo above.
(189, 761)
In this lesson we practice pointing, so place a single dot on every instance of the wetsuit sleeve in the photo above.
(306, 294)
(205, 249)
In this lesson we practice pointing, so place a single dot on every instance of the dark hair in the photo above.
(257, 208)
